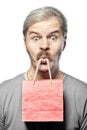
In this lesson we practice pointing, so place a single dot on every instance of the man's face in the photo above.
(45, 40)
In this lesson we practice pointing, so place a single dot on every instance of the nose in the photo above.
(44, 44)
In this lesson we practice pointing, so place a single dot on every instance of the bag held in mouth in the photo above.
(42, 100)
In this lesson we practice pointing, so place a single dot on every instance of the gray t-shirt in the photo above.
(75, 106)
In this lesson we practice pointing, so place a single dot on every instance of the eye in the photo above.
(53, 38)
(36, 38)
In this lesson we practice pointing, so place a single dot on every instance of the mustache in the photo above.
(44, 54)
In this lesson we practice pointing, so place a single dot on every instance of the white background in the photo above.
(13, 57)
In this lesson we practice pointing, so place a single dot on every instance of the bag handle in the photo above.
(37, 67)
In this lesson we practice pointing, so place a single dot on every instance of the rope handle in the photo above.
(37, 67)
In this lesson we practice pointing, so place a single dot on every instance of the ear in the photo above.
(64, 43)
(24, 39)
(25, 43)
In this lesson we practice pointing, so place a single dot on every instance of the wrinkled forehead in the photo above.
(45, 26)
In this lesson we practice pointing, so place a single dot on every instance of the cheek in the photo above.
(32, 50)
(56, 50)
(56, 46)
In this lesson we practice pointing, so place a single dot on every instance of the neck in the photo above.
(56, 74)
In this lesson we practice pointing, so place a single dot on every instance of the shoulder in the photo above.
(75, 83)
(75, 88)
(77, 91)
(9, 95)
(11, 83)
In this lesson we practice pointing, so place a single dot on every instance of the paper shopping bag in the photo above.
(42, 101)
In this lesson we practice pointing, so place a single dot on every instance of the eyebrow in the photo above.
(57, 31)
(50, 33)
(32, 32)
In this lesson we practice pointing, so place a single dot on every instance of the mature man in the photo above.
(45, 33)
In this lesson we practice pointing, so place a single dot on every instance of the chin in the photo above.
(43, 69)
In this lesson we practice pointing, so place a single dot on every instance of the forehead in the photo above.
(46, 26)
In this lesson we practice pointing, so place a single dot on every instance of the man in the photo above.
(45, 33)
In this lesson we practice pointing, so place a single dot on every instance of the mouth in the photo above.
(44, 55)
(43, 61)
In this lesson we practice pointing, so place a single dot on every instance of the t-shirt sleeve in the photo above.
(1, 107)
(84, 119)
(1, 118)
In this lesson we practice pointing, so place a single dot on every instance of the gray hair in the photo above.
(44, 13)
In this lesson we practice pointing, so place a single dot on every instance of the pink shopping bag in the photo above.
(42, 101)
